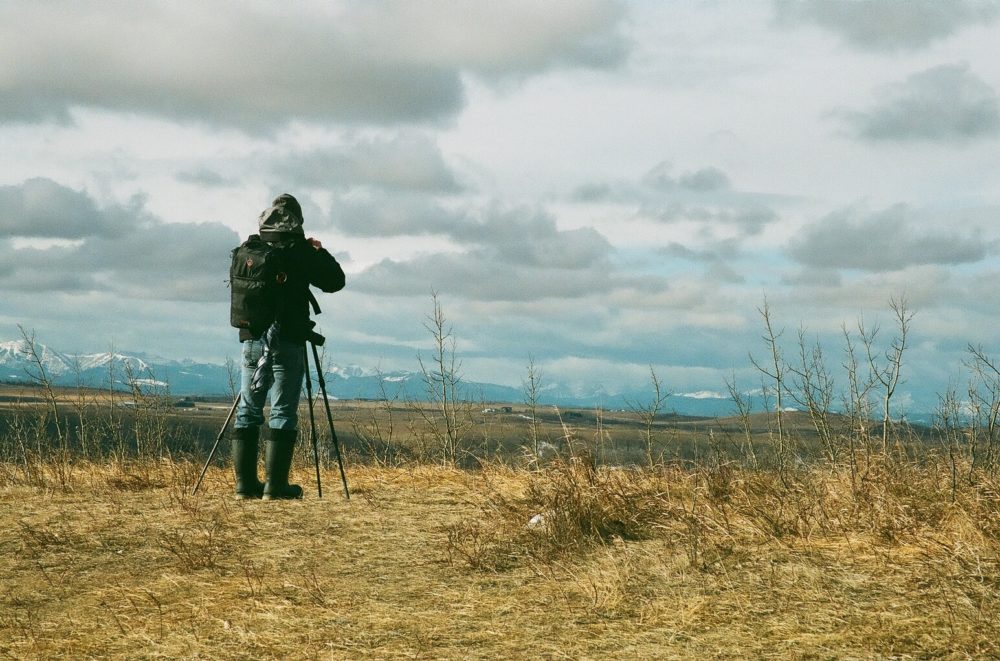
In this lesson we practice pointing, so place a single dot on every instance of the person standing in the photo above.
(304, 262)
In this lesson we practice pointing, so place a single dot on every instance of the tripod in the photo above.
(313, 340)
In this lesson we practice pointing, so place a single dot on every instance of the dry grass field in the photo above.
(685, 539)
(121, 561)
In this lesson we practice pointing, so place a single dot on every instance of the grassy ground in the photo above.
(427, 562)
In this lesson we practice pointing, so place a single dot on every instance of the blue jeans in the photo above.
(289, 371)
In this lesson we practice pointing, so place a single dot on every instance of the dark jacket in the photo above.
(306, 267)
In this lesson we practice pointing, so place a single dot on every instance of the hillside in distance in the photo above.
(192, 378)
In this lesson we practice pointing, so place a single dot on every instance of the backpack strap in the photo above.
(313, 302)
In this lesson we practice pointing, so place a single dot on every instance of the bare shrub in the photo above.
(647, 412)
(888, 373)
(984, 403)
(744, 408)
(773, 381)
(532, 387)
(376, 427)
(448, 418)
(814, 391)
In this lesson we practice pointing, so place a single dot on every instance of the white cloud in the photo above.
(257, 66)
(704, 180)
(121, 249)
(889, 25)
(481, 37)
(407, 161)
(888, 240)
(42, 208)
(945, 103)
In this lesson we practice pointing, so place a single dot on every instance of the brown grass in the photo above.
(427, 562)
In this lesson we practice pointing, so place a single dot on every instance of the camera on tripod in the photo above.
(315, 338)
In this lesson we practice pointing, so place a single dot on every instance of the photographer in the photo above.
(281, 345)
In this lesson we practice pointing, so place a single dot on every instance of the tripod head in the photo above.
(315, 338)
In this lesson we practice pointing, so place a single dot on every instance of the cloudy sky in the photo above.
(599, 186)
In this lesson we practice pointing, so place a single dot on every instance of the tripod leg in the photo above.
(312, 420)
(216, 446)
(329, 419)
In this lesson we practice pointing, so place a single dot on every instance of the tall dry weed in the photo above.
(566, 507)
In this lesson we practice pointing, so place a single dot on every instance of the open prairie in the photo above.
(568, 553)
(432, 562)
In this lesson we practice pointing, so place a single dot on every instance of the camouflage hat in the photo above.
(282, 220)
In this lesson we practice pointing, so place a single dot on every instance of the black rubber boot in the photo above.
(277, 464)
(246, 441)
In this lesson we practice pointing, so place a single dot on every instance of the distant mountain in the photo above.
(18, 364)
(190, 378)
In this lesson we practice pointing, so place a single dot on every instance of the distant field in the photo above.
(372, 429)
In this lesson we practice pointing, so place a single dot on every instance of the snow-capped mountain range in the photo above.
(190, 378)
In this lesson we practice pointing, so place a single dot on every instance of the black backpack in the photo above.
(257, 275)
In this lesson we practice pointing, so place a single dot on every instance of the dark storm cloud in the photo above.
(889, 25)
(945, 103)
(119, 249)
(886, 241)
(258, 67)
(41, 208)
(405, 162)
